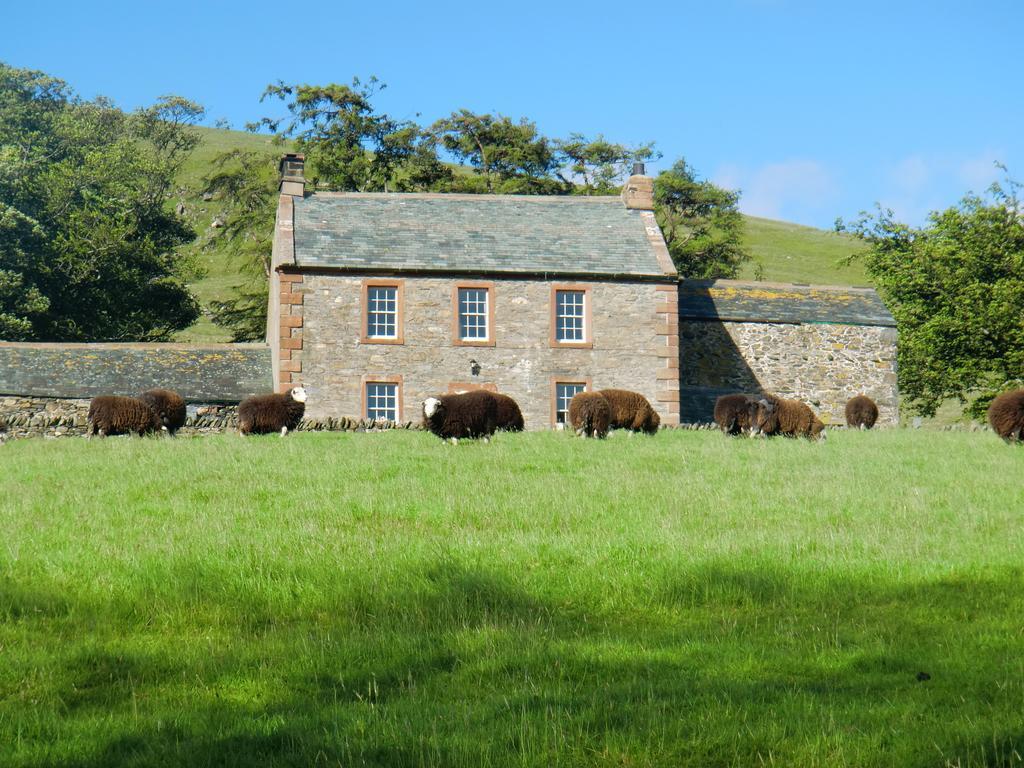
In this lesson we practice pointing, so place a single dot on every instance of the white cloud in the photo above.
(793, 189)
(980, 171)
(911, 174)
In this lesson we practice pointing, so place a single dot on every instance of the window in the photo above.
(382, 400)
(570, 316)
(473, 315)
(383, 308)
(562, 393)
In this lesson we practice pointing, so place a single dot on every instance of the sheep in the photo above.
(771, 415)
(861, 412)
(168, 406)
(630, 410)
(263, 414)
(590, 414)
(510, 418)
(117, 415)
(467, 414)
(732, 413)
(1006, 415)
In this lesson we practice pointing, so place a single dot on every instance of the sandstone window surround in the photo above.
(563, 389)
(382, 397)
(473, 314)
(383, 312)
(570, 317)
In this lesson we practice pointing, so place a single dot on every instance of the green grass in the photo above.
(791, 253)
(387, 600)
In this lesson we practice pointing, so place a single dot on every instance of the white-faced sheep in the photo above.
(590, 414)
(168, 405)
(732, 413)
(1006, 415)
(510, 418)
(773, 415)
(861, 412)
(263, 414)
(468, 414)
(631, 410)
(116, 415)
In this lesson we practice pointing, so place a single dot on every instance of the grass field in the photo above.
(387, 600)
(791, 253)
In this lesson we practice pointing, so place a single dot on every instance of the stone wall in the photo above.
(22, 417)
(634, 334)
(822, 364)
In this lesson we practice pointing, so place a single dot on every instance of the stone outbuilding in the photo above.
(822, 344)
(378, 301)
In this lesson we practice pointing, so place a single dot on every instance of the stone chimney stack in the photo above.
(292, 167)
(638, 191)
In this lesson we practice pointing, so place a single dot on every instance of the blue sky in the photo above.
(813, 109)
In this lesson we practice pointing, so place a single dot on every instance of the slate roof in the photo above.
(222, 373)
(781, 303)
(472, 233)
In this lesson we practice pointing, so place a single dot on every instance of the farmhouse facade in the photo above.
(378, 301)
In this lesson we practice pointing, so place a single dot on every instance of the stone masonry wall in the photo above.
(634, 333)
(824, 365)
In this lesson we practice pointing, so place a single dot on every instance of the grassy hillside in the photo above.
(785, 252)
(364, 599)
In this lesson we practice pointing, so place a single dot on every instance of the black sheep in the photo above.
(168, 405)
(631, 410)
(732, 413)
(1006, 415)
(469, 414)
(861, 412)
(510, 418)
(590, 414)
(263, 414)
(117, 415)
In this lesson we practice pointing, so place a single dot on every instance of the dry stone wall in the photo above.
(822, 364)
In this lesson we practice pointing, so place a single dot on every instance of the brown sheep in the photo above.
(116, 415)
(467, 414)
(590, 414)
(1006, 415)
(773, 415)
(630, 410)
(263, 414)
(861, 412)
(510, 418)
(732, 413)
(168, 406)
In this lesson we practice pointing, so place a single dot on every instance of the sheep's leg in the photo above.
(284, 430)
(487, 439)
(455, 441)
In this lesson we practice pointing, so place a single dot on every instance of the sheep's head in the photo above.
(298, 394)
(431, 406)
(763, 416)
(653, 422)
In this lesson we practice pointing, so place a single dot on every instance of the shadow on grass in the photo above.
(463, 666)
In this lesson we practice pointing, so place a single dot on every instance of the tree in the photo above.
(510, 157)
(700, 221)
(956, 289)
(597, 165)
(89, 249)
(246, 183)
(348, 145)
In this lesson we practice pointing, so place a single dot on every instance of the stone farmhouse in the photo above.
(378, 301)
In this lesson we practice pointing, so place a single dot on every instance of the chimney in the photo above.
(292, 180)
(638, 191)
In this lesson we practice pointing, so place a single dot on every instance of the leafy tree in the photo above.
(956, 289)
(510, 157)
(701, 224)
(348, 145)
(88, 245)
(246, 182)
(597, 165)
